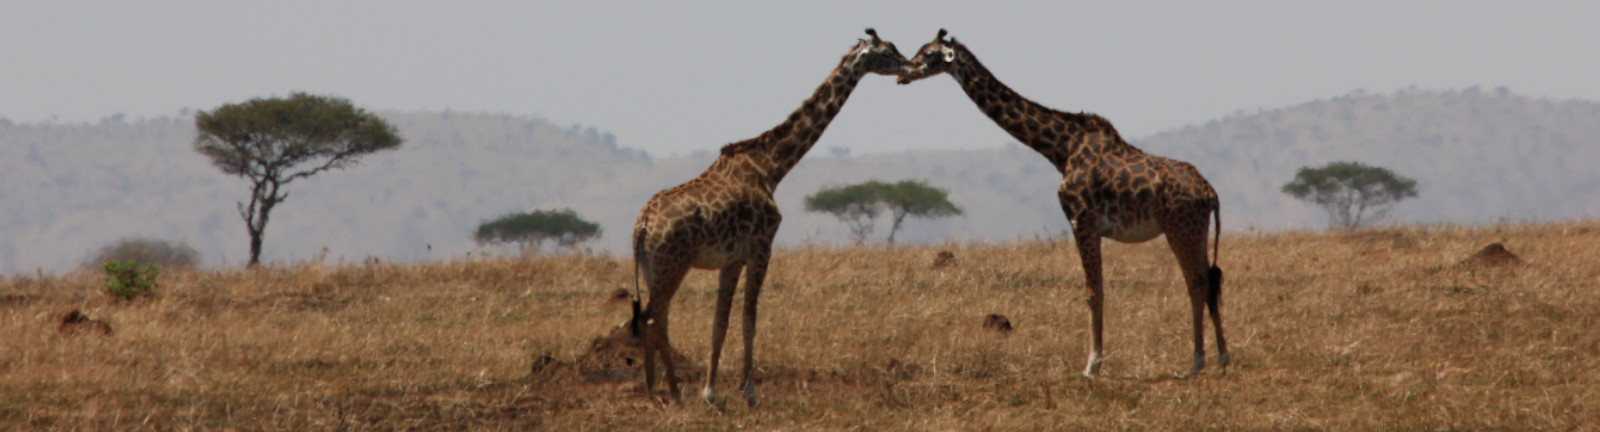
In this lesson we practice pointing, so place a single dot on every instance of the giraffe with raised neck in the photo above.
(1108, 189)
(726, 218)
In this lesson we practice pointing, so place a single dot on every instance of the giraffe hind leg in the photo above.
(663, 285)
(664, 349)
(648, 348)
(719, 328)
(1188, 246)
(755, 276)
(1214, 304)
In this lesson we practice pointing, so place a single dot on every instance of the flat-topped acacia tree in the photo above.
(275, 141)
(1352, 193)
(858, 205)
(529, 230)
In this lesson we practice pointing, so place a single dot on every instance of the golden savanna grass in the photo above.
(1379, 329)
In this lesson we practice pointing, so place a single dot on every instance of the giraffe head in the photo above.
(934, 58)
(877, 56)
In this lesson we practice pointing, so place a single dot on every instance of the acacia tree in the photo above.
(914, 198)
(273, 142)
(857, 205)
(530, 230)
(1351, 193)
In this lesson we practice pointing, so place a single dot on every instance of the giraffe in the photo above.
(725, 220)
(1108, 189)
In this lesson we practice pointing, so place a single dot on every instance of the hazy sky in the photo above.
(682, 76)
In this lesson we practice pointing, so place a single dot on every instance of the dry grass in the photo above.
(1381, 329)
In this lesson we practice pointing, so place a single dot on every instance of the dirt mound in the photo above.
(76, 323)
(944, 259)
(611, 359)
(619, 297)
(1493, 255)
(997, 323)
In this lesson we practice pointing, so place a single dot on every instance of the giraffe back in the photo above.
(709, 221)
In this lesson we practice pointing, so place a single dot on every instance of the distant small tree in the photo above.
(531, 229)
(914, 198)
(1351, 193)
(146, 251)
(857, 205)
(275, 141)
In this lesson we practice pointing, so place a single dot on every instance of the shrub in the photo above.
(147, 251)
(129, 280)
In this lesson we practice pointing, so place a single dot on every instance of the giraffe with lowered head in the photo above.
(725, 220)
(1108, 189)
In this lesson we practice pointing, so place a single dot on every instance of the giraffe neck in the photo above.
(1056, 135)
(769, 157)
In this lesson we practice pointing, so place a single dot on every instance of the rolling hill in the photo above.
(66, 189)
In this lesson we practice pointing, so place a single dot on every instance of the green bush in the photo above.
(129, 280)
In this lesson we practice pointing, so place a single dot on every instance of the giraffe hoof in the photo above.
(750, 396)
(1199, 363)
(1093, 367)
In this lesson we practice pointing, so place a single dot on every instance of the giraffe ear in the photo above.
(949, 54)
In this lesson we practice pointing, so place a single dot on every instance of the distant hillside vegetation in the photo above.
(1477, 156)
(66, 189)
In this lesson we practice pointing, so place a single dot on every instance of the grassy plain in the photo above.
(1382, 329)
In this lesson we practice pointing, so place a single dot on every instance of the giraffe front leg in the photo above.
(1096, 302)
(755, 276)
(719, 328)
(1088, 241)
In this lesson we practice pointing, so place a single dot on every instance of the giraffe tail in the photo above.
(638, 253)
(1214, 273)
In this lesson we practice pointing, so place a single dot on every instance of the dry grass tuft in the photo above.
(1375, 329)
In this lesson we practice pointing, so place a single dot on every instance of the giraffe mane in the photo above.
(1096, 122)
(742, 146)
